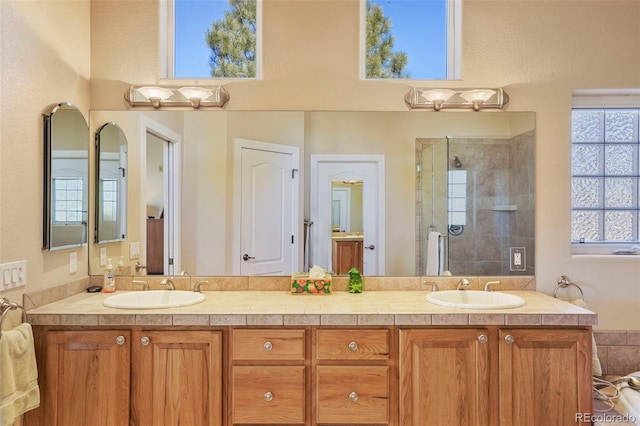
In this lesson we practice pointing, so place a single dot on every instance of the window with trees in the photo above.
(212, 39)
(411, 39)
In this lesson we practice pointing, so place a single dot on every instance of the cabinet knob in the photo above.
(509, 338)
(483, 338)
(145, 341)
(267, 346)
(120, 340)
(268, 396)
(353, 396)
(353, 346)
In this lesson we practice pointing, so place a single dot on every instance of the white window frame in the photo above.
(167, 47)
(603, 99)
(454, 42)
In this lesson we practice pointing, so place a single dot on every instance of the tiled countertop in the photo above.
(283, 308)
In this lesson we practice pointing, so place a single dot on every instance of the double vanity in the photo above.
(250, 352)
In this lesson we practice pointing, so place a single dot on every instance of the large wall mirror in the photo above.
(111, 184)
(417, 149)
(65, 178)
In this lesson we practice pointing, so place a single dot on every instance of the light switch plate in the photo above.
(134, 250)
(103, 256)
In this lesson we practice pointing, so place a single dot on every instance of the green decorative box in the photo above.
(302, 284)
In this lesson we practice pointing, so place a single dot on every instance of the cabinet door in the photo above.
(177, 378)
(268, 394)
(355, 394)
(87, 378)
(444, 377)
(347, 255)
(545, 376)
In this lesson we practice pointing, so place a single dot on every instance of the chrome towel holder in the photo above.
(5, 307)
(564, 282)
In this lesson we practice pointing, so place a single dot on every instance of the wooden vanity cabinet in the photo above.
(119, 377)
(176, 378)
(490, 376)
(268, 377)
(353, 381)
(347, 254)
(83, 378)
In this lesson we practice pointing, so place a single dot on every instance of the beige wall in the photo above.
(537, 50)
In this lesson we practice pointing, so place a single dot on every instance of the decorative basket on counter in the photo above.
(302, 284)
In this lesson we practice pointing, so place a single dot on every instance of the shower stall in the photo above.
(475, 205)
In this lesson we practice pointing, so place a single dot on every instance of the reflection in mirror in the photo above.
(65, 178)
(111, 183)
(346, 226)
(208, 236)
(476, 205)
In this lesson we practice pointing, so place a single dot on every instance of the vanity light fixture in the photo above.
(191, 96)
(437, 99)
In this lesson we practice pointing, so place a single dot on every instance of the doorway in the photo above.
(329, 172)
(160, 197)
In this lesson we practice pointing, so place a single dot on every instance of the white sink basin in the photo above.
(153, 299)
(475, 299)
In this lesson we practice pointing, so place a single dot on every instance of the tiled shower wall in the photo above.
(500, 204)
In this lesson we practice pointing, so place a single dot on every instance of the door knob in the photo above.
(247, 257)
(371, 247)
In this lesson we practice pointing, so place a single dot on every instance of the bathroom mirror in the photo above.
(65, 177)
(204, 142)
(111, 184)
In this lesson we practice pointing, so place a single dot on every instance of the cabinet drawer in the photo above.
(352, 344)
(267, 344)
(268, 395)
(352, 394)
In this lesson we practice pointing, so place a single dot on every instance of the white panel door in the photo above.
(267, 212)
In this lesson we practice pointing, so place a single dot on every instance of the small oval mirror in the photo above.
(66, 174)
(111, 183)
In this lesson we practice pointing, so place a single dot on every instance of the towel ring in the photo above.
(563, 282)
(6, 306)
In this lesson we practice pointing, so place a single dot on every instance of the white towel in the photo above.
(19, 391)
(595, 361)
(433, 253)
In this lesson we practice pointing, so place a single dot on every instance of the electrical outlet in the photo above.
(103, 256)
(518, 260)
(134, 250)
(73, 262)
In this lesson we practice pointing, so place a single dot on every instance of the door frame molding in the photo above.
(347, 162)
(172, 185)
(294, 151)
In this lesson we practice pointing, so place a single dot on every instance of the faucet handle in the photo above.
(197, 285)
(487, 286)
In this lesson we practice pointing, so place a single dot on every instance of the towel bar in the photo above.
(5, 307)
(563, 282)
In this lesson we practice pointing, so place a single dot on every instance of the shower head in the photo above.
(456, 162)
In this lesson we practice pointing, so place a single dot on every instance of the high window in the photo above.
(411, 39)
(605, 171)
(67, 200)
(212, 39)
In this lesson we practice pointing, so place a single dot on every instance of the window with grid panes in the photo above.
(604, 179)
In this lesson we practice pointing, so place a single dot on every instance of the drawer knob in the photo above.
(268, 396)
(145, 341)
(353, 346)
(267, 346)
(353, 396)
(483, 338)
(509, 338)
(120, 340)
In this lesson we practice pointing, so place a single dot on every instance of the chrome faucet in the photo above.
(197, 285)
(145, 285)
(487, 286)
(462, 284)
(434, 286)
(169, 282)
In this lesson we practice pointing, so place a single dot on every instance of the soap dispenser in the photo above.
(109, 281)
